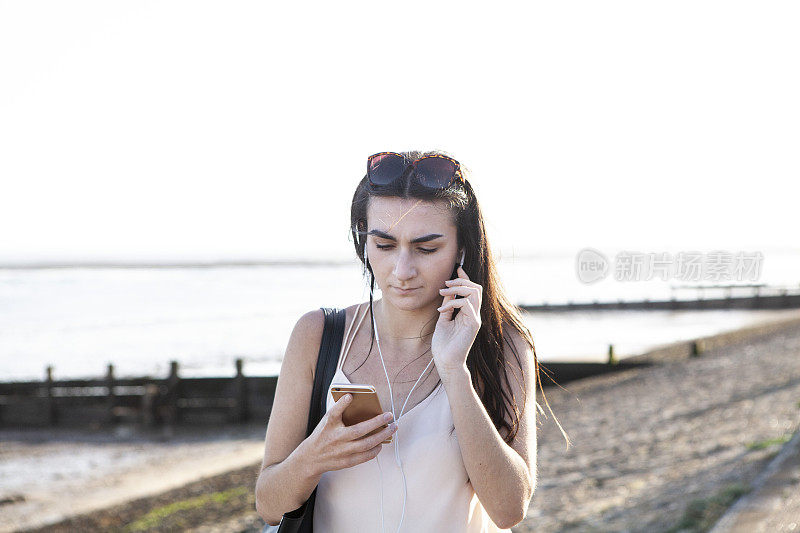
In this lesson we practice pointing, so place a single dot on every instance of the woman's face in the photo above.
(398, 262)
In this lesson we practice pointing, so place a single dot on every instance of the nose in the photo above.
(404, 268)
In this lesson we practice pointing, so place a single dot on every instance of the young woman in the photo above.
(453, 364)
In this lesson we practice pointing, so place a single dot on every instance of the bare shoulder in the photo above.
(307, 336)
(350, 312)
(361, 307)
(304, 341)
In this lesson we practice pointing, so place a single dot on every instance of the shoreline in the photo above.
(682, 350)
(609, 452)
(49, 475)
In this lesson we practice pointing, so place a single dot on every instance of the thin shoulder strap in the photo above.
(327, 359)
(348, 340)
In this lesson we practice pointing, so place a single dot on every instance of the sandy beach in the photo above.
(47, 475)
(648, 444)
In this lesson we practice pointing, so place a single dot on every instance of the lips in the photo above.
(405, 291)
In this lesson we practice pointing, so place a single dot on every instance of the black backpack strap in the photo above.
(328, 357)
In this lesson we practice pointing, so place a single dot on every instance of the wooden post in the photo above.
(172, 416)
(240, 387)
(696, 349)
(110, 397)
(50, 404)
(149, 405)
(611, 359)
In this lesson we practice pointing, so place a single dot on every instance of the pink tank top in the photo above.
(439, 497)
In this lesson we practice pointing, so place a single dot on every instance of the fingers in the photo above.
(361, 450)
(461, 303)
(462, 287)
(356, 431)
(456, 292)
(338, 408)
(368, 443)
(467, 289)
(447, 297)
(461, 290)
(362, 457)
(461, 281)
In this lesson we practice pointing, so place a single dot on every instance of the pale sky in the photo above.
(231, 130)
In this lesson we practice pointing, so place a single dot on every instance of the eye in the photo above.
(388, 246)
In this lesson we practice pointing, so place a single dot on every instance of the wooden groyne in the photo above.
(175, 400)
(762, 298)
(108, 401)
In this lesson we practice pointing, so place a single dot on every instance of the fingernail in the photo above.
(393, 426)
(388, 417)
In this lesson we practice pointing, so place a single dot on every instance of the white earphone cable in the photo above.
(380, 473)
(397, 433)
(398, 461)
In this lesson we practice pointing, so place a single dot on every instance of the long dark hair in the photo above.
(486, 358)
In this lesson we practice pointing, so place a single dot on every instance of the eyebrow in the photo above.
(424, 238)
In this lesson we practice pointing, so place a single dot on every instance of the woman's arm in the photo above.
(284, 486)
(287, 478)
(503, 476)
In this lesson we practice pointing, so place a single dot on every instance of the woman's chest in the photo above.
(411, 383)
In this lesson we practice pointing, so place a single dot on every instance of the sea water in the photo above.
(79, 320)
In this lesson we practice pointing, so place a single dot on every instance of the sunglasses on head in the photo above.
(432, 171)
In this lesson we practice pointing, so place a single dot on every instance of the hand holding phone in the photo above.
(365, 405)
(334, 445)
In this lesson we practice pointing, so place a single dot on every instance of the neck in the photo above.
(399, 328)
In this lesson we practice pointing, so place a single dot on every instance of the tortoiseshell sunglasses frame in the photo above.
(456, 173)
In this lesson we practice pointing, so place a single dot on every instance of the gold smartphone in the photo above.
(364, 405)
